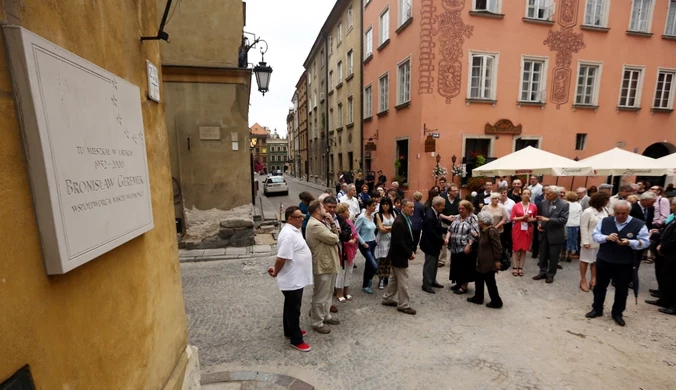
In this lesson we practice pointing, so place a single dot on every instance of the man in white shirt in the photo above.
(293, 270)
(535, 187)
(350, 198)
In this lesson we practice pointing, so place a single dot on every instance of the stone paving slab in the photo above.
(241, 380)
(214, 252)
(193, 253)
(236, 251)
(262, 248)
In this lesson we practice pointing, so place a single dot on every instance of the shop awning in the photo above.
(533, 161)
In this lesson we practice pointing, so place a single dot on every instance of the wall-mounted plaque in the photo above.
(370, 147)
(85, 144)
(210, 133)
(503, 126)
(430, 144)
(153, 82)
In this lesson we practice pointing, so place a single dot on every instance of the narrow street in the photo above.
(272, 204)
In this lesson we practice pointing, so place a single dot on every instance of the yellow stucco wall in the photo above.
(203, 33)
(117, 322)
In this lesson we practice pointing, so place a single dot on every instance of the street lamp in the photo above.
(262, 71)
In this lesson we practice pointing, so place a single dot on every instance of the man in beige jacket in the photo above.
(323, 243)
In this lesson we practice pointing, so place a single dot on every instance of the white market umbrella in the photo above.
(533, 161)
(619, 162)
(669, 162)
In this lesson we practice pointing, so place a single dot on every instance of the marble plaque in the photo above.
(210, 133)
(84, 141)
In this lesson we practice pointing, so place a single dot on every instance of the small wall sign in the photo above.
(430, 144)
(153, 82)
(503, 126)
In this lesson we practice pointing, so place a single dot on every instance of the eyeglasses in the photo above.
(297, 216)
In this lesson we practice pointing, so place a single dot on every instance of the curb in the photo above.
(255, 377)
(199, 255)
(318, 187)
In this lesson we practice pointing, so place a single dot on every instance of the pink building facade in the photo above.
(489, 77)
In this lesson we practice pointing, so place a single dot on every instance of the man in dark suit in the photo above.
(370, 181)
(483, 197)
(552, 233)
(431, 243)
(535, 245)
(644, 209)
(382, 179)
(401, 251)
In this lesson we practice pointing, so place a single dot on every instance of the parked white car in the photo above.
(275, 185)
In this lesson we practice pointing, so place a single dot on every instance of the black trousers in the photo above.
(621, 274)
(489, 279)
(291, 317)
(506, 238)
(548, 257)
(667, 281)
(535, 244)
(416, 239)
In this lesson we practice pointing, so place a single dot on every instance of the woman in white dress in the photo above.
(589, 249)
(384, 220)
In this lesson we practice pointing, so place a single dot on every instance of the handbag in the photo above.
(505, 260)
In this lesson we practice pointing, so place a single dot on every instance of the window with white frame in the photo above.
(321, 61)
(350, 111)
(492, 6)
(671, 19)
(588, 79)
(339, 33)
(405, 11)
(330, 80)
(533, 79)
(383, 91)
(384, 26)
(596, 13)
(315, 101)
(482, 84)
(339, 70)
(632, 83)
(368, 42)
(340, 115)
(309, 75)
(368, 101)
(330, 39)
(539, 9)
(641, 15)
(404, 82)
(331, 122)
(664, 91)
(349, 18)
(350, 62)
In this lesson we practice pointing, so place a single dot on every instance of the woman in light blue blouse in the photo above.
(366, 228)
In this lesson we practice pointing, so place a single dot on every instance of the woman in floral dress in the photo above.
(461, 238)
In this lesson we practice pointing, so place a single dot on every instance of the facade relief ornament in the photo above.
(565, 43)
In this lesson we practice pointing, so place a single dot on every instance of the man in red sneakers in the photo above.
(293, 270)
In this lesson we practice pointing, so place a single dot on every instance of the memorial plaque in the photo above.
(210, 133)
(85, 145)
(153, 82)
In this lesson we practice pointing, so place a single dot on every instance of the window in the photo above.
(309, 75)
(383, 90)
(405, 11)
(482, 78)
(315, 101)
(540, 9)
(384, 26)
(492, 6)
(339, 33)
(339, 69)
(368, 42)
(330, 80)
(588, 78)
(350, 111)
(671, 19)
(664, 90)
(330, 39)
(596, 13)
(630, 92)
(349, 18)
(580, 141)
(368, 101)
(340, 115)
(533, 80)
(641, 15)
(331, 122)
(404, 85)
(350, 63)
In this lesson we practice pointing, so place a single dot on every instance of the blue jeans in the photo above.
(370, 265)
(572, 244)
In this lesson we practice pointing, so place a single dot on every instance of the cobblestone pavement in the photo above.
(539, 340)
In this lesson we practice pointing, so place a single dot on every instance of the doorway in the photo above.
(401, 161)
(657, 150)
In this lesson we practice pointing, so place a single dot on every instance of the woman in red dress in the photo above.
(523, 216)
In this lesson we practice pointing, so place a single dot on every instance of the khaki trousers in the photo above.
(321, 298)
(398, 285)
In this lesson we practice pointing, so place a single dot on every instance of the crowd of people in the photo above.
(610, 235)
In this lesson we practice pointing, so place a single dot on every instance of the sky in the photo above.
(290, 27)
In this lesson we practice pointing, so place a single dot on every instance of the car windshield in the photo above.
(276, 180)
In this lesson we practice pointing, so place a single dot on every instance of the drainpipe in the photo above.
(326, 105)
(361, 86)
